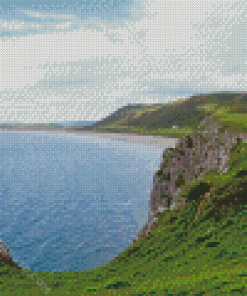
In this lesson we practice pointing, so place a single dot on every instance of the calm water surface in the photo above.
(72, 203)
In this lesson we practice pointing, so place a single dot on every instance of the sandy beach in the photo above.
(156, 141)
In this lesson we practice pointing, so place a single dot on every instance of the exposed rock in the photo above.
(4, 251)
(209, 147)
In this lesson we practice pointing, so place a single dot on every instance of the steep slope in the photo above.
(208, 148)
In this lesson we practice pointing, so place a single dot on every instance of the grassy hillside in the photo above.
(198, 249)
(159, 119)
(186, 113)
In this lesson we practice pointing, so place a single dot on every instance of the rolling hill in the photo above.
(184, 113)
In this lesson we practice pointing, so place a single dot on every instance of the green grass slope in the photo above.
(198, 249)
(185, 113)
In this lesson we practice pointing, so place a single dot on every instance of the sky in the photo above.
(82, 60)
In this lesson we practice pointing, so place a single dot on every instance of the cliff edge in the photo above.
(207, 148)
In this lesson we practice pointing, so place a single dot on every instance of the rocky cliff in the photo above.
(208, 148)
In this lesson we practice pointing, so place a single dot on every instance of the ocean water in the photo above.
(72, 203)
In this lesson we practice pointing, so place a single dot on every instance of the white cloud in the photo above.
(47, 15)
(17, 26)
(182, 44)
(64, 25)
(60, 47)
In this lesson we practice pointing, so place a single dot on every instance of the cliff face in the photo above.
(208, 148)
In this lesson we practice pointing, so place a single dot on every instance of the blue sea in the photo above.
(71, 203)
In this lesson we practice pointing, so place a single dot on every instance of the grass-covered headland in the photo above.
(196, 249)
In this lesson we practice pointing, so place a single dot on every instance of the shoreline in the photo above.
(157, 141)
(148, 140)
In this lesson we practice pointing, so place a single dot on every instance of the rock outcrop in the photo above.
(209, 147)
(5, 252)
